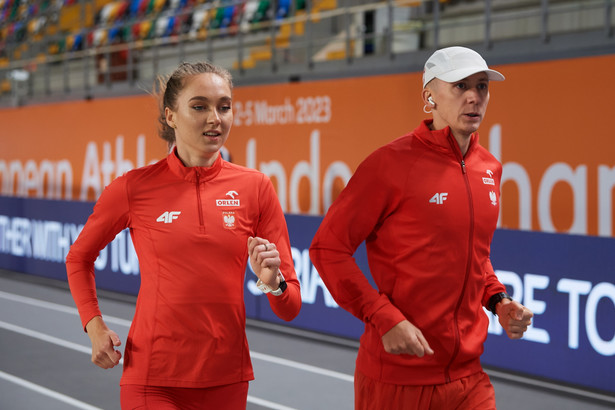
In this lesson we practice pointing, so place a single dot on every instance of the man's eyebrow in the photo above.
(485, 79)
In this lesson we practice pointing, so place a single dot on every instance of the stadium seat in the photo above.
(262, 11)
(146, 29)
(158, 5)
(216, 21)
(134, 7)
(5, 86)
(325, 4)
(74, 42)
(248, 15)
(99, 37)
(227, 17)
(283, 9)
(162, 26)
(199, 23)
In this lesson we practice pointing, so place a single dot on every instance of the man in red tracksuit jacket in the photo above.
(426, 206)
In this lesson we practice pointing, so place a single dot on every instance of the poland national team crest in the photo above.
(228, 219)
(493, 197)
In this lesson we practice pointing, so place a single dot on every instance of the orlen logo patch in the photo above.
(227, 202)
(489, 181)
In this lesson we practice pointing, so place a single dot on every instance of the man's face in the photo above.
(460, 105)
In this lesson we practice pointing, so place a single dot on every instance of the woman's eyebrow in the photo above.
(203, 98)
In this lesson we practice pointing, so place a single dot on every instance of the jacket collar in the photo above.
(442, 140)
(191, 173)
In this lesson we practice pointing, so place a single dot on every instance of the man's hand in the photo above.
(514, 317)
(405, 338)
(103, 342)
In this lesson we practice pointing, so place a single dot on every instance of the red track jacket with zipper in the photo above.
(189, 227)
(427, 216)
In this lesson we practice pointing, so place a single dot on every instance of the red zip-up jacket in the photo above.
(189, 227)
(427, 216)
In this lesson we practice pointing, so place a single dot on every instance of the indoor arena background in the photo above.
(318, 86)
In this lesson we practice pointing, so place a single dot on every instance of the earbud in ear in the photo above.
(431, 101)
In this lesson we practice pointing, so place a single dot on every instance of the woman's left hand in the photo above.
(265, 261)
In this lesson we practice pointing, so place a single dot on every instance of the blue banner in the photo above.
(36, 234)
(319, 312)
(566, 280)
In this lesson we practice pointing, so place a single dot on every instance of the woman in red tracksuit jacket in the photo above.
(194, 219)
(426, 206)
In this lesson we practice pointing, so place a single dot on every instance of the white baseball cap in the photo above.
(456, 63)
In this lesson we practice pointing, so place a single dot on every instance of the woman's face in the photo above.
(202, 118)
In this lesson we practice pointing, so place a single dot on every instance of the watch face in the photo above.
(263, 287)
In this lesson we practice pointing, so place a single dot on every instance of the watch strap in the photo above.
(279, 290)
(267, 289)
(495, 299)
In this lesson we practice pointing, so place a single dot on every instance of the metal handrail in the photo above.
(428, 23)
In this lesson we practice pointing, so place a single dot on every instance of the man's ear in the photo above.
(427, 97)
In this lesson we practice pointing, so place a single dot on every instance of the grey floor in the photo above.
(45, 362)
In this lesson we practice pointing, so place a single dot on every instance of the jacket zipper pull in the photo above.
(463, 166)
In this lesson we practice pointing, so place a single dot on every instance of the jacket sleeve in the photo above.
(272, 226)
(365, 203)
(492, 284)
(110, 216)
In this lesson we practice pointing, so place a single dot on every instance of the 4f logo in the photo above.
(168, 216)
(439, 198)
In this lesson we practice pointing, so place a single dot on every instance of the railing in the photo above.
(306, 40)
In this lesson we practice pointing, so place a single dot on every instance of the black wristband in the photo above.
(495, 299)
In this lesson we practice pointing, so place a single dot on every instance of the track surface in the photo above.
(45, 362)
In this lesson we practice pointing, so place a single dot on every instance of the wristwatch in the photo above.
(497, 298)
(267, 289)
